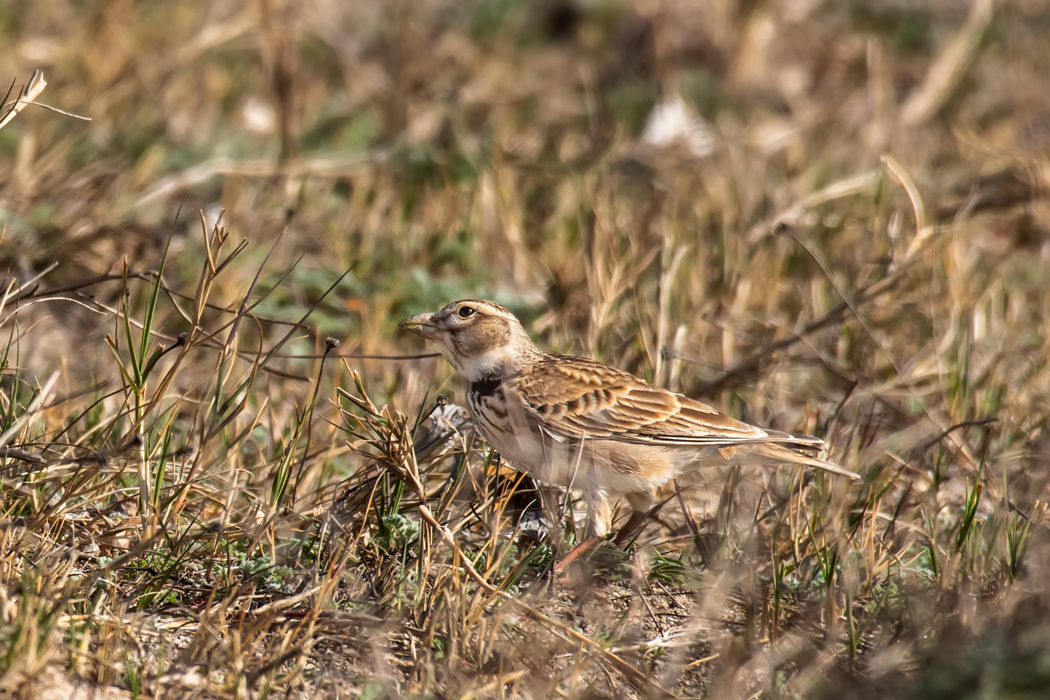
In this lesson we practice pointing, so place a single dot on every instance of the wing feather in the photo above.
(578, 397)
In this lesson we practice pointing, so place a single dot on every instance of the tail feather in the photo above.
(775, 453)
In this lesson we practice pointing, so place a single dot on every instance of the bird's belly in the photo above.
(584, 463)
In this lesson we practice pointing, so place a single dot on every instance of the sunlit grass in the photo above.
(221, 473)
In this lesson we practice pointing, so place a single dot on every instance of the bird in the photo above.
(581, 424)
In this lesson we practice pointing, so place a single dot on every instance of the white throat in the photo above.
(496, 363)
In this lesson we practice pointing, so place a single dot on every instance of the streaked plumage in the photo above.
(577, 423)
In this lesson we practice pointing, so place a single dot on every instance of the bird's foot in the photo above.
(562, 564)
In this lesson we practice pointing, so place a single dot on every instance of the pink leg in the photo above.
(573, 555)
(631, 527)
(641, 509)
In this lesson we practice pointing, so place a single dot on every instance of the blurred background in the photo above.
(826, 216)
(610, 170)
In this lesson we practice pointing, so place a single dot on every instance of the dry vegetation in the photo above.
(201, 496)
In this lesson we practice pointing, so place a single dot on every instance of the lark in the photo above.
(580, 424)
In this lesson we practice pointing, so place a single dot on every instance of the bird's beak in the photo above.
(422, 325)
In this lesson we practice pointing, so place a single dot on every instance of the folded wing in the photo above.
(576, 397)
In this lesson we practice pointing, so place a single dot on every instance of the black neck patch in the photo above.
(486, 386)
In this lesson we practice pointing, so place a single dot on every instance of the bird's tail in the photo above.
(774, 453)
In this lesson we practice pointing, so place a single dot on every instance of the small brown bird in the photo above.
(578, 423)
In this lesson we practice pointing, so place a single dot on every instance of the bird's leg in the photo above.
(640, 511)
(599, 518)
(631, 528)
(562, 564)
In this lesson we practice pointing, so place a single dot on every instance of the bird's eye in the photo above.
(466, 312)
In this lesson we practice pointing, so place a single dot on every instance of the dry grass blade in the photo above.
(633, 675)
(26, 96)
(41, 398)
(950, 66)
(183, 515)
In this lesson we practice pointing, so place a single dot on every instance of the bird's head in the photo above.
(480, 339)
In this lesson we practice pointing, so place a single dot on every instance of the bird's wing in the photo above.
(577, 397)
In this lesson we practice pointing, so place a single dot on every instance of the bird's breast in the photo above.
(517, 433)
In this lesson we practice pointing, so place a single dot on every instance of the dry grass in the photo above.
(201, 495)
